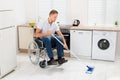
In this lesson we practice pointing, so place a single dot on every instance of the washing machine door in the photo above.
(103, 44)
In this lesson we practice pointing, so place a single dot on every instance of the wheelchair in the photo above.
(37, 53)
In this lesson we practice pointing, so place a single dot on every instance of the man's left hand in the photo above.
(65, 46)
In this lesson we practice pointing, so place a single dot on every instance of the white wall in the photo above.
(119, 11)
(31, 13)
(111, 11)
(20, 11)
(76, 9)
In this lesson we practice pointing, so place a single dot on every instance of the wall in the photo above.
(20, 11)
(31, 10)
(119, 11)
(76, 9)
(111, 11)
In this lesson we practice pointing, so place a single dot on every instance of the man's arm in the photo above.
(39, 33)
(64, 42)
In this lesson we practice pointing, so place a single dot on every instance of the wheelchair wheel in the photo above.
(33, 52)
(43, 64)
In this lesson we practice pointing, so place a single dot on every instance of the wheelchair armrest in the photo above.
(39, 42)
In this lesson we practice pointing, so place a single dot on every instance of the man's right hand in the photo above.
(49, 33)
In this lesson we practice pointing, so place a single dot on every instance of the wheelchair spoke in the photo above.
(33, 52)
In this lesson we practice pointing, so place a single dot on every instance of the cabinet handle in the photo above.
(80, 32)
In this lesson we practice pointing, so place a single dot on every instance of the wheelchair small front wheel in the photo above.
(42, 64)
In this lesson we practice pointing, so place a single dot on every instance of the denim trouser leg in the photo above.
(49, 42)
(59, 47)
(48, 46)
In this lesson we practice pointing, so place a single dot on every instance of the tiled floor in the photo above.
(72, 70)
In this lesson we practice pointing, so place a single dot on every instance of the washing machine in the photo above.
(104, 45)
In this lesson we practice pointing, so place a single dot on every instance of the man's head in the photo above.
(53, 15)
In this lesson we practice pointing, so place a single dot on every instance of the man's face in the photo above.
(53, 17)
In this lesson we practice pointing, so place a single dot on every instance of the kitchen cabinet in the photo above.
(8, 50)
(81, 41)
(7, 4)
(7, 18)
(25, 36)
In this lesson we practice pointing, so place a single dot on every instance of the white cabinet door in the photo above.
(0, 52)
(25, 36)
(7, 4)
(7, 18)
(8, 49)
(81, 42)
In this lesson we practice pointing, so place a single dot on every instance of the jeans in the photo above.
(49, 42)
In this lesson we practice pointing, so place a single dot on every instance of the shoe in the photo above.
(62, 60)
(52, 62)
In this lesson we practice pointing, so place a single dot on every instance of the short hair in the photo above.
(53, 12)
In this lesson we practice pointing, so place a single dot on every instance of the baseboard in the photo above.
(23, 50)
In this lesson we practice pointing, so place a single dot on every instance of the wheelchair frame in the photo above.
(37, 53)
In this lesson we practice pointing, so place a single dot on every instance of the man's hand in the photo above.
(49, 32)
(65, 46)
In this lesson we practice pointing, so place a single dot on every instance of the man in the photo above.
(44, 32)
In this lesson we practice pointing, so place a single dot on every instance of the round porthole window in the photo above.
(103, 44)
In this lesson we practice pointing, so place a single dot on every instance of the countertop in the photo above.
(81, 27)
(97, 28)
(23, 26)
